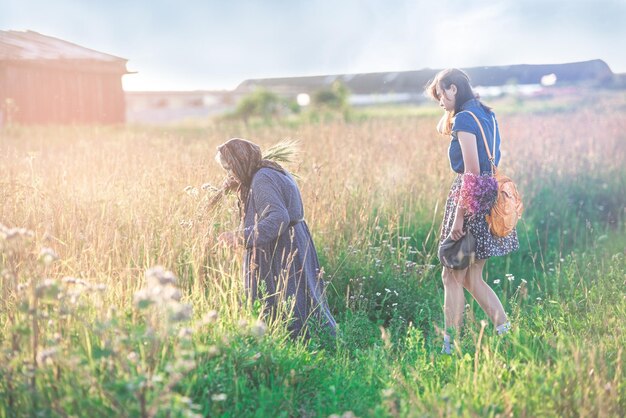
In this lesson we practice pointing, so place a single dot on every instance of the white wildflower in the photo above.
(218, 397)
(258, 329)
(100, 287)
(142, 298)
(48, 288)
(208, 187)
(210, 317)
(46, 356)
(180, 312)
(191, 191)
(47, 256)
(213, 351)
(184, 223)
(185, 333)
(159, 276)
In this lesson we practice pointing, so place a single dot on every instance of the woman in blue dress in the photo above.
(280, 262)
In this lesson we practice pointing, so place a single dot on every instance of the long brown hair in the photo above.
(244, 158)
(444, 79)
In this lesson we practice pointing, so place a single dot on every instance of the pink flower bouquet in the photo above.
(478, 193)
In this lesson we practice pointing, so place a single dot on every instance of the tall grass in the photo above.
(89, 328)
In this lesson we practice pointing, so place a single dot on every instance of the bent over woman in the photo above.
(280, 262)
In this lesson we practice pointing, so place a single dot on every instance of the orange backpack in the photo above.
(508, 208)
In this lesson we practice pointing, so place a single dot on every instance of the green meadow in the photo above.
(91, 327)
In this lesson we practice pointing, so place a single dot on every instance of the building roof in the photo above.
(33, 46)
(414, 81)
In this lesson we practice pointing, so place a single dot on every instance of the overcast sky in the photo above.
(216, 44)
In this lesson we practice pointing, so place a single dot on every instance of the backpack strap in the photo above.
(491, 156)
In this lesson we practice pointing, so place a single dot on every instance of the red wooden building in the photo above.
(45, 80)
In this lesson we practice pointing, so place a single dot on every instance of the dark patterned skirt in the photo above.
(487, 245)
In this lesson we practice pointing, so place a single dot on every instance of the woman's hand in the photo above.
(230, 183)
(229, 238)
(457, 228)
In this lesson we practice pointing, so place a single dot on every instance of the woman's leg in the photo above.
(484, 294)
(454, 298)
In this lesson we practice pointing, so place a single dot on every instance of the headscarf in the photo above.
(244, 159)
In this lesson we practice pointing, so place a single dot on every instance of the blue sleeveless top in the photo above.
(464, 122)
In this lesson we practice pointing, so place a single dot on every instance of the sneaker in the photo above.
(504, 328)
(446, 348)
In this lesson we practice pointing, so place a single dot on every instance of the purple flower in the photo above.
(478, 193)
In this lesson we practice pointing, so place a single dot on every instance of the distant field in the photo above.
(79, 336)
